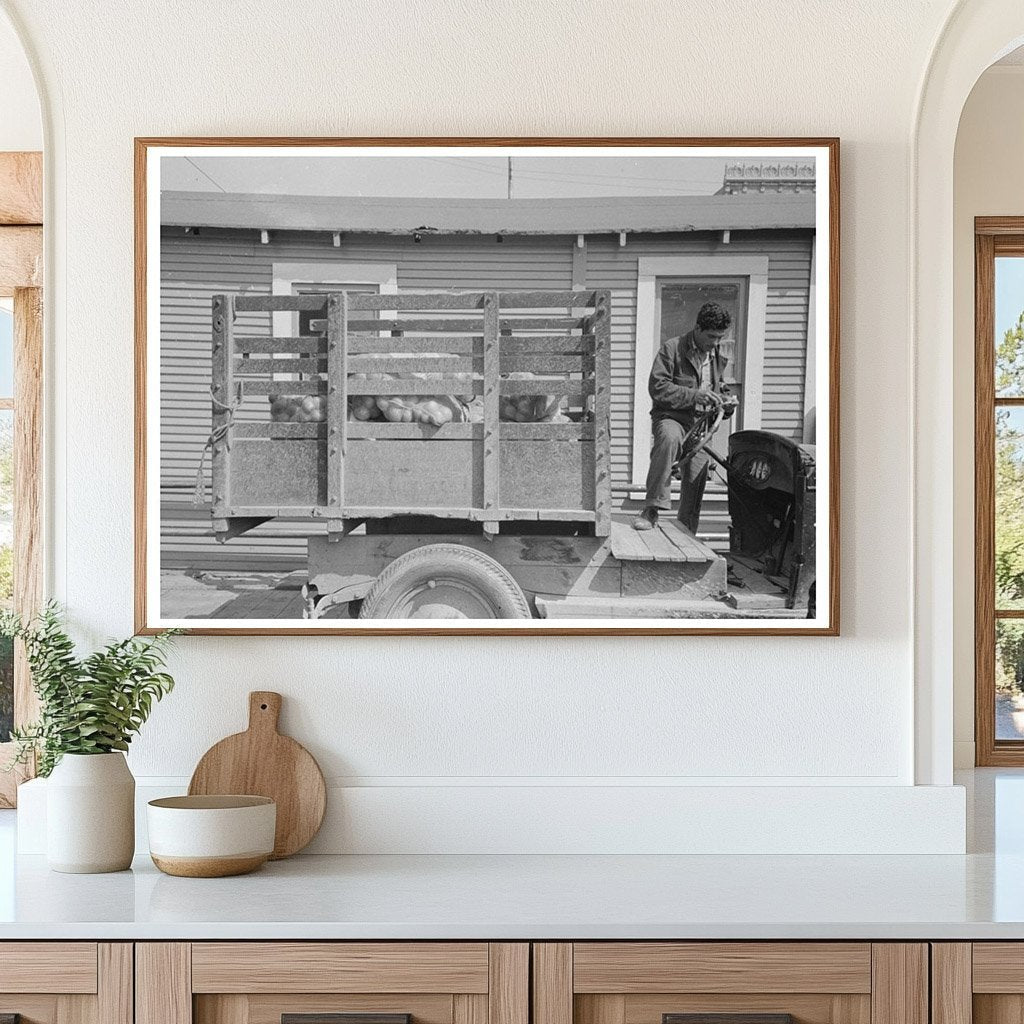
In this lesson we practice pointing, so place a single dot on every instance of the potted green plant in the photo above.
(90, 708)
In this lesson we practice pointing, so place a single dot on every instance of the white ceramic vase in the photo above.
(90, 814)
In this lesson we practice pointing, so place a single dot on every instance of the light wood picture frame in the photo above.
(391, 301)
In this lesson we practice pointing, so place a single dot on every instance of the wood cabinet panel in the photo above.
(951, 983)
(67, 983)
(998, 967)
(163, 983)
(899, 992)
(63, 967)
(468, 1008)
(219, 967)
(599, 1009)
(1004, 1008)
(635, 967)
(508, 983)
(552, 983)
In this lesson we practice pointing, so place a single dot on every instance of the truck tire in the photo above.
(445, 581)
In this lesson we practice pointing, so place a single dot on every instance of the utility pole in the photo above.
(510, 177)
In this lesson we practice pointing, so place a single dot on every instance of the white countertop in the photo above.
(517, 897)
(978, 896)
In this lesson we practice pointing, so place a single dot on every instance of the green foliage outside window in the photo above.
(1009, 509)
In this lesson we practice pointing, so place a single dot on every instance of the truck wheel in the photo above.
(445, 581)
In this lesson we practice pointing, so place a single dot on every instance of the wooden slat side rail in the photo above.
(998, 967)
(280, 303)
(21, 188)
(115, 983)
(552, 983)
(508, 993)
(223, 398)
(601, 385)
(628, 967)
(899, 992)
(951, 983)
(471, 300)
(337, 403)
(491, 448)
(65, 967)
(163, 983)
(339, 967)
(21, 259)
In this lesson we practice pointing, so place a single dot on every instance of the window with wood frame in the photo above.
(999, 490)
(21, 366)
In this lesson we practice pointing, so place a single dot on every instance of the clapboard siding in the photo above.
(195, 267)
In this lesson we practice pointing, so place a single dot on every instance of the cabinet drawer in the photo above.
(65, 967)
(340, 967)
(634, 967)
(332, 983)
(66, 982)
(730, 983)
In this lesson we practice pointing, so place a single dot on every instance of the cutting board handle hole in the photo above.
(263, 707)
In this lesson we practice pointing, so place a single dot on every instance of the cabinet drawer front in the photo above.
(998, 967)
(755, 967)
(339, 967)
(59, 967)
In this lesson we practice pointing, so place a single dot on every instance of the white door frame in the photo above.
(649, 269)
(384, 275)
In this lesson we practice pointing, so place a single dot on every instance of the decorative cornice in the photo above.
(776, 176)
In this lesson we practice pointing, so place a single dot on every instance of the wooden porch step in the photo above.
(669, 541)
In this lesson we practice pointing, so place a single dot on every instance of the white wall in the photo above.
(21, 126)
(987, 181)
(433, 715)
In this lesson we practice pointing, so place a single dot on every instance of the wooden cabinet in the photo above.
(66, 982)
(494, 983)
(750, 982)
(978, 983)
(305, 982)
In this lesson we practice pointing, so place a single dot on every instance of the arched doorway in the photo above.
(977, 33)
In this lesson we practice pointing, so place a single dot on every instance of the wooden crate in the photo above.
(472, 344)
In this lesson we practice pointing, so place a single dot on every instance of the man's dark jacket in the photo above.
(675, 379)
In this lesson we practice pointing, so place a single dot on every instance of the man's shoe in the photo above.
(647, 520)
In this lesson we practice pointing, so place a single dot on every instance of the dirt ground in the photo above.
(197, 594)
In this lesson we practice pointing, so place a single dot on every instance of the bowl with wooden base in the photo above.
(211, 836)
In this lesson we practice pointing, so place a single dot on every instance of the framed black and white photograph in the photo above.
(487, 386)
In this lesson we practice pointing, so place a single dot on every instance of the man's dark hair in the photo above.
(712, 317)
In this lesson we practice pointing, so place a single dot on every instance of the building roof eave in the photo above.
(643, 214)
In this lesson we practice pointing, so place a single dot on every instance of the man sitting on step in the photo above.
(686, 379)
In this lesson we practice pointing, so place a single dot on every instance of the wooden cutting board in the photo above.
(262, 762)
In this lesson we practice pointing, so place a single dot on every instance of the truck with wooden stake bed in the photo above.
(451, 453)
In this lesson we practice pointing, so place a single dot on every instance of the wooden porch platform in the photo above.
(669, 541)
